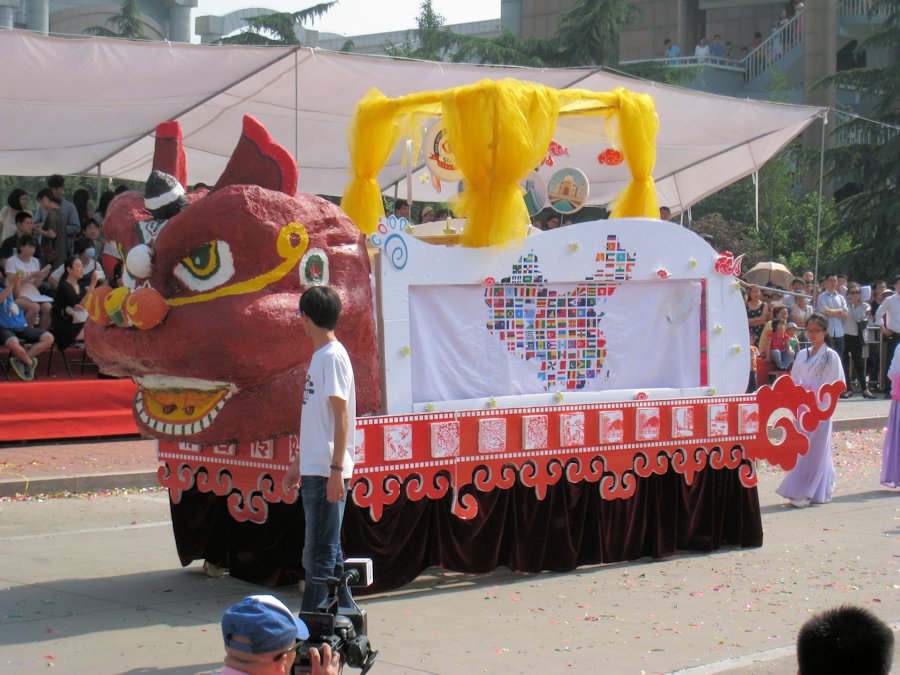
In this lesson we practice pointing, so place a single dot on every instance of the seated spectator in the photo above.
(69, 315)
(262, 636)
(729, 51)
(665, 213)
(780, 312)
(24, 227)
(427, 215)
(780, 353)
(551, 222)
(16, 203)
(15, 332)
(701, 50)
(793, 340)
(30, 273)
(442, 214)
(86, 253)
(91, 230)
(845, 640)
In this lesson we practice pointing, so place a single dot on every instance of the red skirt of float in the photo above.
(555, 489)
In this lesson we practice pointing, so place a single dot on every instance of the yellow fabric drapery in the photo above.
(499, 131)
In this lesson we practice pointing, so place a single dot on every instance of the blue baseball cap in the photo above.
(265, 624)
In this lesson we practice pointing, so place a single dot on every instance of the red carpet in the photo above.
(53, 409)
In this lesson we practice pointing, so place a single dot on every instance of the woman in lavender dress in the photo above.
(812, 479)
(890, 456)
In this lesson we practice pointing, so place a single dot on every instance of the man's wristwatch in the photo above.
(337, 467)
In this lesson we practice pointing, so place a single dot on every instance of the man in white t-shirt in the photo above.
(833, 305)
(327, 430)
(888, 319)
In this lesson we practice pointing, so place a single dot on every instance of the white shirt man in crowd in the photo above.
(888, 318)
(834, 306)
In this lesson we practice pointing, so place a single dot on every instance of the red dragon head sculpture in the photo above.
(206, 321)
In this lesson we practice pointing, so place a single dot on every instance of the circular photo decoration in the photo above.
(438, 156)
(535, 193)
(568, 190)
(314, 267)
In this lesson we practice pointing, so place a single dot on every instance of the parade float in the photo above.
(537, 402)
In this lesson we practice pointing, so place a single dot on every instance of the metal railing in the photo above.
(693, 62)
(858, 8)
(788, 36)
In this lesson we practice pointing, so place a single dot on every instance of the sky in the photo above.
(359, 17)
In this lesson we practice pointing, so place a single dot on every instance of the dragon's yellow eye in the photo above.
(203, 262)
(207, 267)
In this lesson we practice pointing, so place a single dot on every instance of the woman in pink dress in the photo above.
(890, 456)
(812, 479)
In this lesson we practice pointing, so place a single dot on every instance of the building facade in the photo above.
(161, 19)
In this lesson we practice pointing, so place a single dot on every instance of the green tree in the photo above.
(126, 24)
(588, 34)
(787, 219)
(431, 40)
(278, 28)
(869, 167)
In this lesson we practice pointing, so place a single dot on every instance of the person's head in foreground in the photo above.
(322, 306)
(845, 639)
(261, 636)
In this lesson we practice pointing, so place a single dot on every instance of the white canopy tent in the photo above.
(88, 105)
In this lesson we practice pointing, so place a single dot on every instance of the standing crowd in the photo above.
(817, 334)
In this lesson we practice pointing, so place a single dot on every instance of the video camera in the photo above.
(343, 628)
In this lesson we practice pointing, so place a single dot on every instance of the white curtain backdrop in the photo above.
(652, 332)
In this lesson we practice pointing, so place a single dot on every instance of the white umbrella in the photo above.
(770, 274)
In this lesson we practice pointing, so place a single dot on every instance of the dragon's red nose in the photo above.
(144, 308)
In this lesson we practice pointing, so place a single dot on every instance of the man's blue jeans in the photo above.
(322, 549)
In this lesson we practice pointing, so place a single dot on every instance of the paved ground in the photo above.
(91, 584)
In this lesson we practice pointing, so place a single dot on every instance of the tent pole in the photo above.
(821, 186)
(99, 183)
(296, 108)
(756, 196)
(409, 184)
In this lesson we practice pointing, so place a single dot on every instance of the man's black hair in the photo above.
(322, 305)
(845, 639)
(22, 216)
(46, 192)
(399, 204)
(89, 221)
(56, 181)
